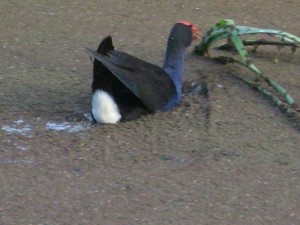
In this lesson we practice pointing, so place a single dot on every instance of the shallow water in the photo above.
(66, 126)
(17, 127)
(230, 158)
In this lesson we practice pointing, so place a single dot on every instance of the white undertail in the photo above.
(104, 108)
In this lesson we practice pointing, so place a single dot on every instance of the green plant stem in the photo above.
(256, 43)
(293, 114)
(251, 67)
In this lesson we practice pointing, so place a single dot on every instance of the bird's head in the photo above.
(184, 32)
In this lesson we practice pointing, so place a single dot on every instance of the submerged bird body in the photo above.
(125, 87)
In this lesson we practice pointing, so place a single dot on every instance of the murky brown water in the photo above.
(231, 158)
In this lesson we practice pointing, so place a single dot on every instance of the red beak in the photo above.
(196, 33)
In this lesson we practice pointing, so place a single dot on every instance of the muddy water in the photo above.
(228, 157)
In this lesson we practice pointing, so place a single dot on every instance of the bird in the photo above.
(125, 87)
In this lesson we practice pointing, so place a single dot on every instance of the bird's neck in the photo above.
(173, 65)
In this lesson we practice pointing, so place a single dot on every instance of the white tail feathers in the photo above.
(104, 108)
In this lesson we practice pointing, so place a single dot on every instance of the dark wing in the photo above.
(148, 82)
